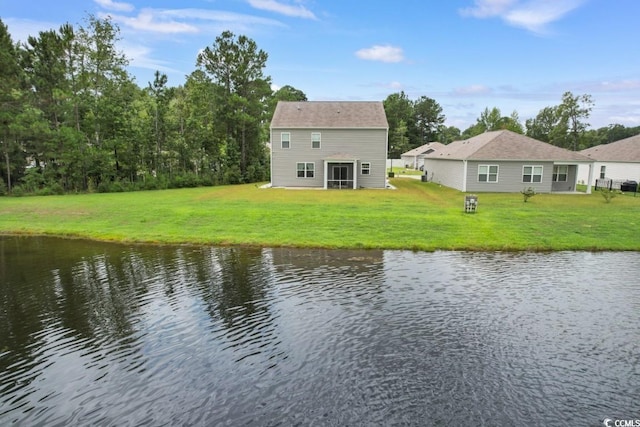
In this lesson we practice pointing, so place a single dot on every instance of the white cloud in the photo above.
(152, 21)
(472, 90)
(620, 85)
(116, 6)
(141, 57)
(298, 11)
(188, 21)
(487, 8)
(532, 15)
(627, 120)
(386, 53)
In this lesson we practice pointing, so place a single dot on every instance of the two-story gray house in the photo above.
(320, 144)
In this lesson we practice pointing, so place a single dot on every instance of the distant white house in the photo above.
(618, 161)
(414, 159)
(505, 161)
(325, 144)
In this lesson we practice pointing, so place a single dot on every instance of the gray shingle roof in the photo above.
(505, 145)
(329, 114)
(624, 150)
(424, 148)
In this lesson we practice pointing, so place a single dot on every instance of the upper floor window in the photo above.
(560, 173)
(532, 174)
(487, 173)
(315, 140)
(285, 140)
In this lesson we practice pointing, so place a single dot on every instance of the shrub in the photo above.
(528, 193)
(609, 194)
(184, 181)
(17, 191)
(116, 186)
(51, 189)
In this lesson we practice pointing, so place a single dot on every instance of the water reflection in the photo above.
(96, 333)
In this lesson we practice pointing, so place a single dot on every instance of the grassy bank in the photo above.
(419, 216)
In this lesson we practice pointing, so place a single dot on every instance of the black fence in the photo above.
(617, 184)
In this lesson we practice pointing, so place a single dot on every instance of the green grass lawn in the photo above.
(404, 171)
(417, 216)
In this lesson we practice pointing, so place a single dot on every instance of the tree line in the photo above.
(72, 119)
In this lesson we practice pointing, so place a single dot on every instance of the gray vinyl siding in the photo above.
(365, 145)
(449, 173)
(509, 177)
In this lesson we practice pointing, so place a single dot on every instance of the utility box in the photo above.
(631, 186)
(470, 203)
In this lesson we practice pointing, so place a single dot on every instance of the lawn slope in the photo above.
(418, 216)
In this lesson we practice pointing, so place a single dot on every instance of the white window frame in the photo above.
(308, 170)
(603, 171)
(286, 140)
(319, 140)
(365, 168)
(557, 174)
(488, 173)
(533, 173)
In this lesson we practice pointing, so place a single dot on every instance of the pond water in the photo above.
(102, 334)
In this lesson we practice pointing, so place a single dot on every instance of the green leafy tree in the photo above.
(449, 134)
(563, 125)
(160, 97)
(492, 120)
(608, 134)
(202, 127)
(12, 104)
(399, 111)
(289, 93)
(398, 141)
(573, 111)
(236, 65)
(428, 119)
(513, 123)
(542, 126)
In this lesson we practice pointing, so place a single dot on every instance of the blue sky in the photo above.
(466, 54)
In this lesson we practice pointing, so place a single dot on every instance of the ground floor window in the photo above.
(532, 174)
(305, 170)
(365, 168)
(560, 173)
(603, 172)
(487, 173)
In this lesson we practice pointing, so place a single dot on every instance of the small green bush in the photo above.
(18, 191)
(528, 193)
(609, 194)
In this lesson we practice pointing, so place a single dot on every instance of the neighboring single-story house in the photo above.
(618, 161)
(414, 159)
(505, 161)
(329, 145)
